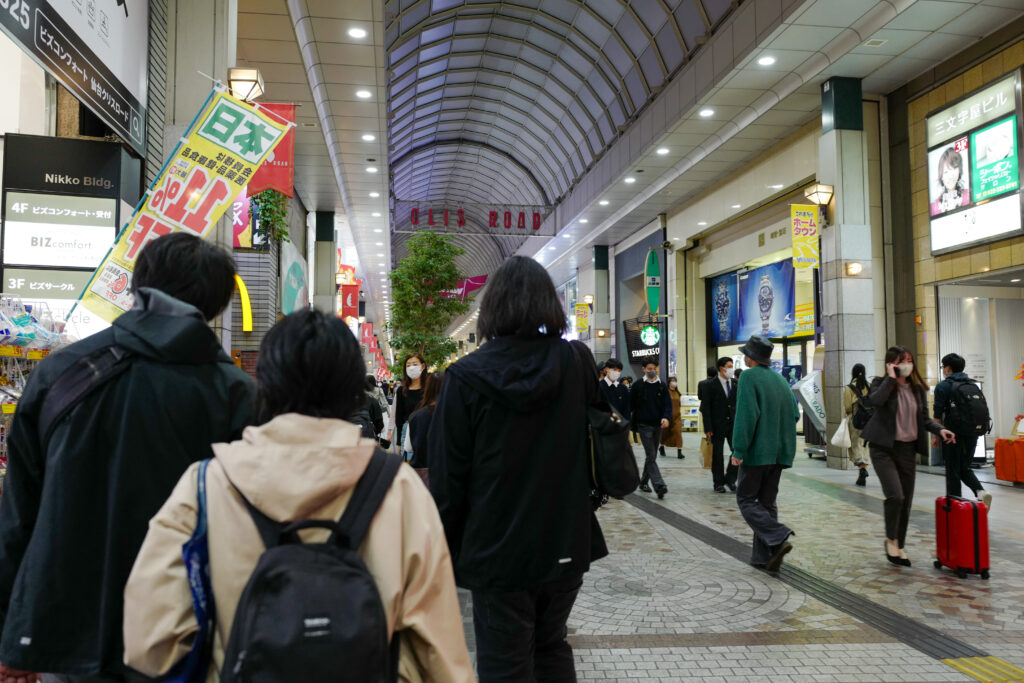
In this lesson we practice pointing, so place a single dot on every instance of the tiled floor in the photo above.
(666, 606)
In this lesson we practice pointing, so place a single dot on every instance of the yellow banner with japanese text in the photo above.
(804, 224)
(582, 318)
(227, 141)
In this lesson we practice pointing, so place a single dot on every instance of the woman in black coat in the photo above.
(896, 434)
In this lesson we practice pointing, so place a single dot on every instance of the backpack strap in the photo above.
(367, 497)
(269, 530)
(77, 381)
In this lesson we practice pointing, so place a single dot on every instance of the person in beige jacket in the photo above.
(301, 463)
(852, 394)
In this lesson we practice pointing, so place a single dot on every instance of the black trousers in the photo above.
(521, 636)
(896, 469)
(756, 493)
(958, 457)
(721, 474)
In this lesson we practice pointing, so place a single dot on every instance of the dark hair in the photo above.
(952, 158)
(371, 383)
(188, 268)
(723, 360)
(310, 364)
(653, 360)
(520, 299)
(954, 362)
(859, 378)
(712, 372)
(406, 379)
(432, 389)
(894, 353)
(613, 363)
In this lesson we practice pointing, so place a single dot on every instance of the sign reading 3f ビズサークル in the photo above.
(652, 282)
(225, 145)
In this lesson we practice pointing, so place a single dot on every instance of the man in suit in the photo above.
(614, 390)
(718, 406)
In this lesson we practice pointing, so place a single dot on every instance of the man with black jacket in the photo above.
(651, 408)
(78, 500)
(718, 407)
(958, 455)
(615, 391)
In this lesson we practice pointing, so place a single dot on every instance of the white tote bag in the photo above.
(841, 439)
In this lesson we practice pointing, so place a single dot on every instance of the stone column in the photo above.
(602, 306)
(324, 286)
(847, 300)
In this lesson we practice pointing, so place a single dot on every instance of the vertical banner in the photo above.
(241, 221)
(804, 224)
(294, 280)
(278, 171)
(582, 319)
(652, 282)
(224, 146)
(349, 301)
(725, 308)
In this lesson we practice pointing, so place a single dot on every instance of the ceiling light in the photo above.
(368, 137)
(702, 223)
(363, 94)
(854, 268)
(371, 169)
(375, 214)
(766, 61)
(1016, 279)
(676, 239)
(382, 272)
(567, 236)
(245, 82)
(357, 33)
(603, 202)
(776, 187)
(378, 229)
(818, 193)
(375, 194)
(381, 255)
(736, 206)
(380, 244)
(706, 113)
(584, 220)
(551, 248)
(662, 151)
(629, 180)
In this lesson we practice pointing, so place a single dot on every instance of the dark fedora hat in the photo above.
(759, 348)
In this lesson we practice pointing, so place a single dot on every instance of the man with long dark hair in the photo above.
(510, 475)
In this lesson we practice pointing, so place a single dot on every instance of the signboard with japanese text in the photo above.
(805, 224)
(226, 143)
(582, 319)
(974, 174)
(97, 50)
(241, 221)
(57, 230)
(278, 171)
(47, 284)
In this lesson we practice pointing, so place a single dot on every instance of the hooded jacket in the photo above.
(509, 467)
(296, 467)
(72, 517)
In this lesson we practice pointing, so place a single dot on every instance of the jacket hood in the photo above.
(524, 374)
(957, 376)
(166, 329)
(295, 464)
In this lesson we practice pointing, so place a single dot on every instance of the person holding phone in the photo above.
(896, 434)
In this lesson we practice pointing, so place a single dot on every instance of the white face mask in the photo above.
(414, 371)
(730, 373)
(905, 369)
(614, 375)
(673, 384)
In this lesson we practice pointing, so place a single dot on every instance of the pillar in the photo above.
(326, 268)
(602, 306)
(847, 300)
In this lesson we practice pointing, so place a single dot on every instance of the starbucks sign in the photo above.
(650, 335)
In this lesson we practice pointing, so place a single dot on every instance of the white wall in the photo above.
(23, 84)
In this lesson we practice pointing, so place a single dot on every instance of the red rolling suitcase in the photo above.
(961, 536)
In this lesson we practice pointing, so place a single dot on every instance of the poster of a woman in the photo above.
(950, 186)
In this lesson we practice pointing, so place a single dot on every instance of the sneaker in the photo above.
(662, 490)
(645, 488)
(986, 498)
(732, 487)
(719, 489)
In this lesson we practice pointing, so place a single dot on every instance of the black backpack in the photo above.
(968, 409)
(861, 414)
(311, 612)
(363, 420)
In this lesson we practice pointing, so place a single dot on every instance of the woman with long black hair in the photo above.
(408, 396)
(896, 434)
(853, 392)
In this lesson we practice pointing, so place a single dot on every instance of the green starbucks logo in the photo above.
(650, 335)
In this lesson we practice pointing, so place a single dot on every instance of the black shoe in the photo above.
(894, 559)
(679, 454)
(662, 490)
(719, 489)
(862, 478)
(732, 487)
(662, 451)
(645, 488)
(757, 565)
(775, 561)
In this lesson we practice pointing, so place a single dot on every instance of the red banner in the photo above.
(465, 287)
(349, 301)
(242, 221)
(278, 171)
(367, 334)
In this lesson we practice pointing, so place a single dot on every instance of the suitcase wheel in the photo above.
(984, 574)
(961, 573)
(938, 564)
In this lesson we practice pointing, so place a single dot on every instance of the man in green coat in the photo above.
(764, 444)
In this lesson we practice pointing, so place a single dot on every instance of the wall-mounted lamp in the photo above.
(854, 268)
(602, 333)
(588, 299)
(819, 193)
(245, 82)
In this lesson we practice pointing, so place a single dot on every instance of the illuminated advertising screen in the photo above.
(57, 230)
(973, 168)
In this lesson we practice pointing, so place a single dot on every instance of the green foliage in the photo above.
(420, 313)
(270, 211)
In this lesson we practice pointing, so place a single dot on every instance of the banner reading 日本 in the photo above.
(222, 149)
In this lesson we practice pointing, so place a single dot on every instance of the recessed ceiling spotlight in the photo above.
(380, 244)
(375, 194)
(662, 151)
(584, 220)
(702, 223)
(357, 32)
(375, 214)
(1016, 279)
(371, 169)
(551, 248)
(629, 180)
(675, 239)
(381, 255)
(378, 229)
(369, 137)
(766, 61)
(706, 113)
(776, 187)
(603, 202)
(736, 206)
(383, 273)
(363, 94)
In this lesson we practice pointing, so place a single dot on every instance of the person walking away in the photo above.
(419, 424)
(673, 436)
(651, 408)
(852, 395)
(958, 455)
(896, 435)
(510, 473)
(718, 408)
(764, 439)
(407, 396)
(79, 495)
(374, 389)
(615, 391)
(302, 462)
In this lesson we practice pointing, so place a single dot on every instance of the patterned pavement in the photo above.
(668, 606)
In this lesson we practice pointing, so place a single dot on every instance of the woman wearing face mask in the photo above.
(896, 434)
(673, 436)
(408, 396)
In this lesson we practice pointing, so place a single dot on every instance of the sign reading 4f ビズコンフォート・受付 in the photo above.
(974, 172)
(97, 50)
(223, 147)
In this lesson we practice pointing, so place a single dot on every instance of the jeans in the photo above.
(521, 636)
(756, 492)
(721, 474)
(651, 439)
(958, 457)
(896, 469)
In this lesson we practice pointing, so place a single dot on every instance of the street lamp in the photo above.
(245, 82)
